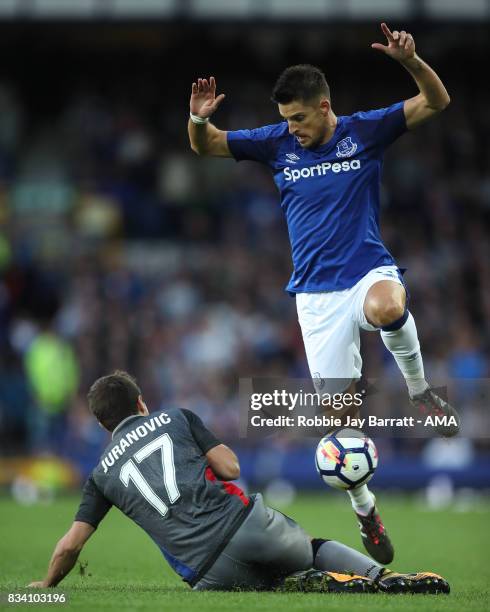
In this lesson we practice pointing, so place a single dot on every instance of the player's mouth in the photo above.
(301, 139)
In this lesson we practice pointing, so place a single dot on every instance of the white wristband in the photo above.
(198, 120)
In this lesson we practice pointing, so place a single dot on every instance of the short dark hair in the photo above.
(114, 397)
(301, 82)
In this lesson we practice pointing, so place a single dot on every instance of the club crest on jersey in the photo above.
(346, 148)
(291, 158)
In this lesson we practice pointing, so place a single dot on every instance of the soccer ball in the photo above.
(346, 459)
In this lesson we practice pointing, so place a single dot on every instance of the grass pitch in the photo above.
(125, 570)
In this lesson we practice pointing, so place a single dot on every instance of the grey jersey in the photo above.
(155, 471)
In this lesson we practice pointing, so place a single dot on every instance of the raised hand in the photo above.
(204, 101)
(401, 45)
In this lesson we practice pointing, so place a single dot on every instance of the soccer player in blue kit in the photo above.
(327, 169)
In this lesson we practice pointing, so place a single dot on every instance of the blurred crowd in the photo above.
(119, 248)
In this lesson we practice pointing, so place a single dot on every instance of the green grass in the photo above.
(126, 571)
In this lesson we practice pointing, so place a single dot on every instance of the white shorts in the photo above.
(331, 322)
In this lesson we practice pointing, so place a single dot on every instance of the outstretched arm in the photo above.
(65, 554)
(433, 97)
(204, 137)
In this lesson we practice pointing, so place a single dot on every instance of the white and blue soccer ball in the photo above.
(346, 459)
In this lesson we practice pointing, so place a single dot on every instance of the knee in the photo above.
(384, 312)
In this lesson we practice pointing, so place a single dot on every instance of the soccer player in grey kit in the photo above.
(170, 475)
(327, 169)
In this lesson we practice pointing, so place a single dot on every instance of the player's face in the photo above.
(307, 121)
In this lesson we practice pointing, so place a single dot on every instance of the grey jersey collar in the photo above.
(131, 416)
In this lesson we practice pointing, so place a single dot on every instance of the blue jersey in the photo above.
(330, 195)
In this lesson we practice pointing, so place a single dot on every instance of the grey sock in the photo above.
(333, 556)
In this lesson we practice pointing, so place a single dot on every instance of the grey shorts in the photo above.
(266, 547)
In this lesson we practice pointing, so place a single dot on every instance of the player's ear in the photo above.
(142, 408)
(325, 106)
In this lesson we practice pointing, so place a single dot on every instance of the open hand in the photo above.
(204, 101)
(401, 45)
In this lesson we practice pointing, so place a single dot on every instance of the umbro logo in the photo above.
(291, 158)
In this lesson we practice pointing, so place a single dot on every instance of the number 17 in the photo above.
(129, 471)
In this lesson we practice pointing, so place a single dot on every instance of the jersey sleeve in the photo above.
(385, 124)
(254, 145)
(204, 438)
(94, 506)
